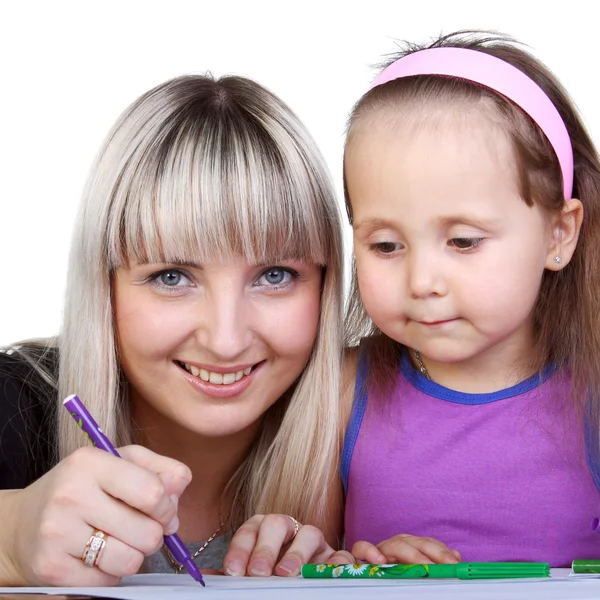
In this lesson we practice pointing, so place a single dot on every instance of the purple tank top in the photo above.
(499, 477)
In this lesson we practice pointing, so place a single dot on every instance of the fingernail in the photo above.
(175, 500)
(260, 567)
(234, 568)
(288, 566)
(173, 526)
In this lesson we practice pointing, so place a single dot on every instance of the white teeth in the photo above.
(228, 378)
(217, 378)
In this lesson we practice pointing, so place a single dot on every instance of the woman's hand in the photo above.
(132, 501)
(406, 549)
(277, 544)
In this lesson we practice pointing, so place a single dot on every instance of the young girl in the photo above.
(202, 325)
(473, 191)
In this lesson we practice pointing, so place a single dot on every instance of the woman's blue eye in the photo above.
(277, 276)
(171, 278)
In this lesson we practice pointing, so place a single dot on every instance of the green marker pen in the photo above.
(489, 570)
(586, 565)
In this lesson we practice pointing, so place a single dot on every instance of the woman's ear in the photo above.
(565, 234)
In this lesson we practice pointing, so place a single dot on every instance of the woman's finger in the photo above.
(275, 532)
(134, 485)
(125, 523)
(241, 547)
(113, 558)
(308, 546)
(175, 475)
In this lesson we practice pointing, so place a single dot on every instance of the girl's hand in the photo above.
(407, 549)
(267, 545)
(133, 501)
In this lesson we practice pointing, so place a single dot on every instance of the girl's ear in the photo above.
(565, 234)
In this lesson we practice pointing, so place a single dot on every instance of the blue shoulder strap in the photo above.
(592, 440)
(359, 404)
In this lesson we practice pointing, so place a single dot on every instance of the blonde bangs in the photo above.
(202, 191)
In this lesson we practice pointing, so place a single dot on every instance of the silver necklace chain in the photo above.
(422, 368)
(177, 566)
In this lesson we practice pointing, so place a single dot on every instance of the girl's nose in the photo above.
(426, 276)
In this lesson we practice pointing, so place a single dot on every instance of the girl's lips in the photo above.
(216, 390)
(436, 323)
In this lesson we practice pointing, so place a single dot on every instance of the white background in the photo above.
(69, 68)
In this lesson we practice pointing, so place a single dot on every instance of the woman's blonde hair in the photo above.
(198, 169)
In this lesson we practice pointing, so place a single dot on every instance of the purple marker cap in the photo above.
(96, 436)
(595, 525)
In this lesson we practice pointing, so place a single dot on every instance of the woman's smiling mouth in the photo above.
(224, 383)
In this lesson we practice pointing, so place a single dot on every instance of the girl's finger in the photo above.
(341, 557)
(435, 550)
(416, 550)
(367, 552)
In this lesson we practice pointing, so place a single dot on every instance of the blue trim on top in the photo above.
(414, 377)
(359, 404)
(591, 440)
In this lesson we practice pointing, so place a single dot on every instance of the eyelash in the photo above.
(377, 248)
(154, 279)
(293, 274)
(473, 243)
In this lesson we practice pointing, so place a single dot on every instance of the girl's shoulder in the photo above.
(349, 370)
(359, 361)
(27, 409)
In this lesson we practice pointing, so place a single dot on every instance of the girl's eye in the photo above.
(170, 278)
(385, 247)
(465, 243)
(277, 277)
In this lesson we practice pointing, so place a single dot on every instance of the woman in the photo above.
(202, 331)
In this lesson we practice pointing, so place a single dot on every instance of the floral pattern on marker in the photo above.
(364, 571)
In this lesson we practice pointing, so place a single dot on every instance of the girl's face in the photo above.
(449, 257)
(209, 348)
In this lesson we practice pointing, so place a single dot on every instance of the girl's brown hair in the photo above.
(567, 313)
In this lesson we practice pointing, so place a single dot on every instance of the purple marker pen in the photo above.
(96, 436)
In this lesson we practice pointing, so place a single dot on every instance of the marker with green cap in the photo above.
(586, 565)
(475, 570)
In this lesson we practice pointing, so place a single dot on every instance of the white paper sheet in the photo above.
(182, 587)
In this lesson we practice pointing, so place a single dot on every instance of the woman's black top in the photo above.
(27, 418)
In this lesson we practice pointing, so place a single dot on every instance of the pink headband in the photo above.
(499, 76)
